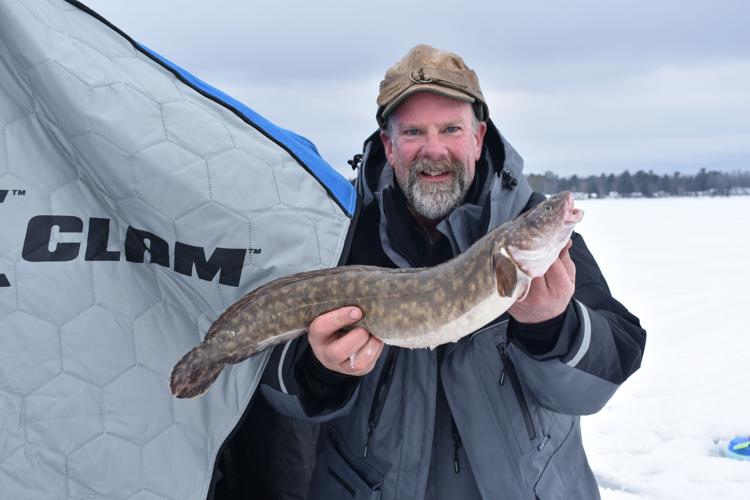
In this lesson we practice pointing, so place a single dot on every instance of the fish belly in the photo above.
(475, 317)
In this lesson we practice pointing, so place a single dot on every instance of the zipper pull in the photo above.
(370, 429)
(504, 357)
(544, 442)
(456, 445)
(503, 351)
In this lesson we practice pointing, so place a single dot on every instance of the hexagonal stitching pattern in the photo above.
(70, 371)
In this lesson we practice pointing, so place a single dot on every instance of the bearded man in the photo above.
(497, 414)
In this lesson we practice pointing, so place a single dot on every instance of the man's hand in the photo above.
(351, 353)
(550, 294)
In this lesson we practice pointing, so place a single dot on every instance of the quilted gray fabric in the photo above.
(133, 210)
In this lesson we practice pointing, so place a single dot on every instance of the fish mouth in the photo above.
(572, 215)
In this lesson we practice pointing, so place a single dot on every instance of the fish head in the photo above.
(535, 239)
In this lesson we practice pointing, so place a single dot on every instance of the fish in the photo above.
(409, 307)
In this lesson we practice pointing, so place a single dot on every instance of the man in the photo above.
(495, 415)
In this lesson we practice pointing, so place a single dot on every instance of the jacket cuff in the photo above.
(321, 390)
(549, 339)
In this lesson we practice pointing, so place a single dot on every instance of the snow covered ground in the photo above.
(682, 266)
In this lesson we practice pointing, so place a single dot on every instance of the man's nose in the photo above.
(433, 147)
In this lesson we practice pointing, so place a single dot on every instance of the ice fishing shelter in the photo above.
(136, 204)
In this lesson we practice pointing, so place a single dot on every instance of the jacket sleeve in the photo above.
(298, 386)
(599, 345)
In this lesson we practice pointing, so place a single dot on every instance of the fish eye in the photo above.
(547, 208)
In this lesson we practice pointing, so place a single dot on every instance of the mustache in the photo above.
(432, 167)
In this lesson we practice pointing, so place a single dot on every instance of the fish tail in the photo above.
(194, 373)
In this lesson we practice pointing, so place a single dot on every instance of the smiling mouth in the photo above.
(435, 177)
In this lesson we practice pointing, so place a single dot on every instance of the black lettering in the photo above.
(98, 240)
(4, 281)
(19, 192)
(136, 247)
(39, 233)
(227, 262)
(3, 194)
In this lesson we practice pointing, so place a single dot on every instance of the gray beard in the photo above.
(434, 200)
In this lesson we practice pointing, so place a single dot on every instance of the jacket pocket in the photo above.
(510, 374)
(341, 475)
(516, 410)
(567, 475)
(531, 433)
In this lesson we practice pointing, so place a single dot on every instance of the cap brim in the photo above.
(425, 87)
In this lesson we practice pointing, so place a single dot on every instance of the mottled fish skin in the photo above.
(421, 307)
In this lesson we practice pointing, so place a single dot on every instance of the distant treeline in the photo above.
(646, 184)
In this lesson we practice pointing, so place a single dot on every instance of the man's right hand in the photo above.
(351, 353)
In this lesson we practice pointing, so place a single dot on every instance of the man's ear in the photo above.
(479, 138)
(387, 145)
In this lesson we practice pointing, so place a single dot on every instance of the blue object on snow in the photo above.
(738, 448)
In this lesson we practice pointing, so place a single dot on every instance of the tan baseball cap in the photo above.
(427, 69)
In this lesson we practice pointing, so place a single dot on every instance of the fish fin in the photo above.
(525, 292)
(275, 340)
(505, 273)
(194, 373)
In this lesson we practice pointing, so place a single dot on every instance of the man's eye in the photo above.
(453, 129)
(411, 131)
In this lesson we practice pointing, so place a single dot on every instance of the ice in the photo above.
(681, 265)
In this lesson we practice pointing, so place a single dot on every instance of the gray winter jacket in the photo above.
(517, 412)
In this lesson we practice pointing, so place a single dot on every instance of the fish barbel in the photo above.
(420, 307)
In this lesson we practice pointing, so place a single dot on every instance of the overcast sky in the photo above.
(582, 86)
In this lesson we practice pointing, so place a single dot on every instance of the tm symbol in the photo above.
(14, 192)
(254, 251)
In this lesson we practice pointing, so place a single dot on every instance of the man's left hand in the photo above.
(550, 294)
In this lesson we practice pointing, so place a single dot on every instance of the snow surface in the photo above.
(681, 266)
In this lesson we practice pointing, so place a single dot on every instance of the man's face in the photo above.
(432, 146)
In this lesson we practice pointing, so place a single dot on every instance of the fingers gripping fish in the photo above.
(420, 307)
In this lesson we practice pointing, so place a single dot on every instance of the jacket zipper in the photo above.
(510, 369)
(381, 392)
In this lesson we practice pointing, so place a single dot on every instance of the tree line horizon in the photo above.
(645, 183)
